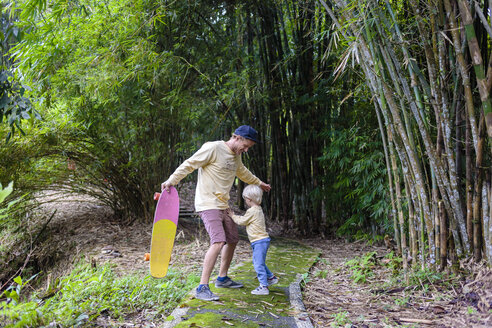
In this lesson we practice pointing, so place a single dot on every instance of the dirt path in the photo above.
(332, 299)
(282, 308)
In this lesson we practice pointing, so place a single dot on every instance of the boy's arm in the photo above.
(202, 157)
(243, 220)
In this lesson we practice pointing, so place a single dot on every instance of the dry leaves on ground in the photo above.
(333, 299)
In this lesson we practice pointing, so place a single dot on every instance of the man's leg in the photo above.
(226, 258)
(209, 261)
(232, 237)
(213, 224)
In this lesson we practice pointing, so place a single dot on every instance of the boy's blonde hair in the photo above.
(254, 193)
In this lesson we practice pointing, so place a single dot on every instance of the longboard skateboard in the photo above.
(163, 232)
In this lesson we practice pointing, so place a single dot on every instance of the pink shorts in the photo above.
(219, 226)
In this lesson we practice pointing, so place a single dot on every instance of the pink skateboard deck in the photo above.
(163, 231)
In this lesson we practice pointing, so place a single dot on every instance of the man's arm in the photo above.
(201, 158)
(245, 175)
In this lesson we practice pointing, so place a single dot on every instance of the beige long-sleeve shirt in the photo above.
(217, 168)
(254, 220)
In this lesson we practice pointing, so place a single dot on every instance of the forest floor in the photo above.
(331, 297)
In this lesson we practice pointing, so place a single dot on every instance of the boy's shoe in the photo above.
(206, 294)
(272, 281)
(260, 290)
(228, 283)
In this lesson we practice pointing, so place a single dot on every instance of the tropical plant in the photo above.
(14, 105)
(87, 293)
(357, 186)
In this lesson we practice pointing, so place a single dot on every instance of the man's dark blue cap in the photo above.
(247, 132)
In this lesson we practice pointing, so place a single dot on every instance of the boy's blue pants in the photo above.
(260, 248)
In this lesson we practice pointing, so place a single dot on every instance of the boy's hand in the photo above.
(230, 212)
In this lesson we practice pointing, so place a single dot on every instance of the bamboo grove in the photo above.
(426, 65)
(373, 115)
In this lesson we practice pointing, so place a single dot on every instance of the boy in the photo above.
(254, 220)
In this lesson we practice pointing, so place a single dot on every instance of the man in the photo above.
(218, 164)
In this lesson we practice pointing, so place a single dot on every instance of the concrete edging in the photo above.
(177, 315)
(295, 297)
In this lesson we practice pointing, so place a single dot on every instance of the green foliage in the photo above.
(13, 292)
(320, 274)
(362, 267)
(15, 106)
(423, 278)
(305, 279)
(403, 301)
(7, 212)
(4, 192)
(85, 294)
(370, 238)
(9, 224)
(357, 184)
(123, 82)
(128, 89)
(393, 262)
(341, 319)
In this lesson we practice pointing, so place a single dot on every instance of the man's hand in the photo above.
(265, 187)
(165, 186)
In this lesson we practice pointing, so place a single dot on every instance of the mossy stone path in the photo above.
(239, 308)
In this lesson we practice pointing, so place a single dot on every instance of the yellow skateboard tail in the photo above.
(161, 247)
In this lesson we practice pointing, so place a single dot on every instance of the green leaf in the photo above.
(5, 192)
(18, 280)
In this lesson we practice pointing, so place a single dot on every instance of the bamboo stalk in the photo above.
(437, 235)
(477, 61)
(399, 236)
(443, 237)
(477, 195)
(413, 158)
(488, 227)
(404, 248)
(469, 184)
(413, 232)
(448, 189)
(463, 68)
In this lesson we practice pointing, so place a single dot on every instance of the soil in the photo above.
(81, 226)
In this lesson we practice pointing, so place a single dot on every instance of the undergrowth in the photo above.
(362, 267)
(87, 293)
(369, 265)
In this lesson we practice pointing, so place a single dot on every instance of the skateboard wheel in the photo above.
(157, 195)
(147, 257)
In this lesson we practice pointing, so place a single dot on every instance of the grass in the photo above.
(87, 293)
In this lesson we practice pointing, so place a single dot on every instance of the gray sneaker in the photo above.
(272, 281)
(228, 283)
(260, 290)
(206, 294)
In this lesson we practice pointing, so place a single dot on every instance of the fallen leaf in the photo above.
(438, 309)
